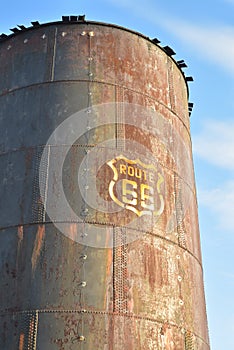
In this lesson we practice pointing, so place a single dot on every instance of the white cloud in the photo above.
(215, 144)
(213, 42)
(221, 202)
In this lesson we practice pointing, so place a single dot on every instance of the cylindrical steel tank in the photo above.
(99, 237)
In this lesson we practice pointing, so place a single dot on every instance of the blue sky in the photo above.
(202, 33)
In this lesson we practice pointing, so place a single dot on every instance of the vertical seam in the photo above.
(54, 54)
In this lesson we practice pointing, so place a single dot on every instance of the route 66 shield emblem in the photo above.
(136, 186)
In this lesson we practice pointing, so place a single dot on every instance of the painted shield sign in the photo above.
(136, 186)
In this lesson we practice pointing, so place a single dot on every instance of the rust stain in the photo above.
(21, 341)
(37, 246)
(73, 231)
(109, 262)
(20, 234)
(151, 266)
(167, 337)
(130, 302)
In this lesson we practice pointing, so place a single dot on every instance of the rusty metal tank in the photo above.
(99, 237)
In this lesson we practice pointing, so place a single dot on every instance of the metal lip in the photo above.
(104, 24)
(5, 37)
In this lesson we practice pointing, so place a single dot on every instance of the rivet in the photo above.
(88, 111)
(84, 256)
(177, 257)
(90, 74)
(25, 41)
(181, 302)
(9, 47)
(84, 234)
(81, 338)
(179, 278)
(86, 187)
(83, 33)
(88, 127)
(90, 58)
(43, 36)
(83, 311)
(91, 33)
(64, 34)
(83, 284)
(90, 93)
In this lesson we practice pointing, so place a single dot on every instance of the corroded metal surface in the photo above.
(57, 291)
